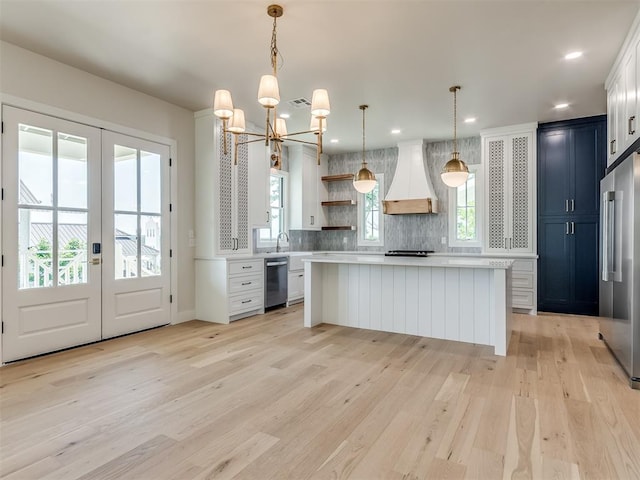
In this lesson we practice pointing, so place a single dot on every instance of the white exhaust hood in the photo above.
(411, 190)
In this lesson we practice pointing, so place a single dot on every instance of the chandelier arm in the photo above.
(246, 142)
(300, 141)
(301, 133)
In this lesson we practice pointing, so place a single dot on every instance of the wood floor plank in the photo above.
(266, 398)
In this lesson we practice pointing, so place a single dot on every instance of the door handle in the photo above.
(566, 205)
(268, 216)
(573, 228)
(573, 204)
(612, 147)
(505, 243)
(312, 219)
(566, 228)
(632, 119)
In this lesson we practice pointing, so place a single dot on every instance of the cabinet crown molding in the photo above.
(510, 129)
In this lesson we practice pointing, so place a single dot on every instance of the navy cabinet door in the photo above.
(553, 162)
(585, 241)
(589, 154)
(554, 273)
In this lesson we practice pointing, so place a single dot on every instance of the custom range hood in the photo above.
(411, 190)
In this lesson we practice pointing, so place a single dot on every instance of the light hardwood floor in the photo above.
(265, 398)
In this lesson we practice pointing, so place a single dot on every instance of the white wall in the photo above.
(33, 77)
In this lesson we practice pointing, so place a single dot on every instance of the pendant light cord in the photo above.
(363, 108)
(455, 120)
(274, 49)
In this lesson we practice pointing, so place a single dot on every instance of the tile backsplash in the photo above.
(408, 232)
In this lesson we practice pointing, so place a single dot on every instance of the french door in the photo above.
(85, 234)
(136, 231)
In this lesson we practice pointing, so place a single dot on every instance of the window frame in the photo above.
(284, 210)
(477, 170)
(362, 242)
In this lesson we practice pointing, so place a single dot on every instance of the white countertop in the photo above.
(437, 261)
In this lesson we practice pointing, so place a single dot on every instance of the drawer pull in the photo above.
(631, 130)
(247, 266)
(301, 275)
(246, 283)
(246, 301)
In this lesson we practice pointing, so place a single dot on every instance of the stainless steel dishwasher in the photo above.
(276, 272)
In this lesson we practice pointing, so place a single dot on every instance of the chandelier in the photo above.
(269, 96)
(455, 171)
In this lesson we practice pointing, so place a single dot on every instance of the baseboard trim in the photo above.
(185, 316)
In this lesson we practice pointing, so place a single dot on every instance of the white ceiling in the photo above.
(400, 57)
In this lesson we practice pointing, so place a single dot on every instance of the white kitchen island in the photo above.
(453, 298)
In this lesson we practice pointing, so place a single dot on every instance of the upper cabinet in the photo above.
(306, 191)
(623, 86)
(225, 210)
(509, 155)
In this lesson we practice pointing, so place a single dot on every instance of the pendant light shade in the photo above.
(268, 91)
(320, 106)
(222, 104)
(455, 171)
(237, 124)
(365, 180)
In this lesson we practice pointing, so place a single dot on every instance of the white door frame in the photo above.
(26, 104)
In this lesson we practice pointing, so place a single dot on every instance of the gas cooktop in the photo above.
(408, 253)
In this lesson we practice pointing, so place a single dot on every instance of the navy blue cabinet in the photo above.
(571, 163)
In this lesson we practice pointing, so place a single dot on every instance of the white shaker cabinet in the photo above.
(623, 87)
(509, 157)
(228, 289)
(222, 191)
(259, 185)
(296, 278)
(306, 190)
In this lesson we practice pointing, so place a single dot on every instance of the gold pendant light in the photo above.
(365, 180)
(455, 171)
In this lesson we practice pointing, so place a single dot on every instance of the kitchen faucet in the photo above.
(278, 240)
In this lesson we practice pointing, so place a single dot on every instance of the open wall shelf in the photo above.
(338, 178)
(338, 203)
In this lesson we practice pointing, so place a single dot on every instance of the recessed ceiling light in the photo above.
(334, 140)
(560, 106)
(572, 55)
(284, 115)
(396, 131)
(470, 120)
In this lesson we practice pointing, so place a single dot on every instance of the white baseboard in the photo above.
(185, 316)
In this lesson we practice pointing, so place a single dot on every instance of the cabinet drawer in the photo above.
(522, 298)
(245, 266)
(295, 263)
(247, 302)
(244, 283)
(521, 280)
(525, 265)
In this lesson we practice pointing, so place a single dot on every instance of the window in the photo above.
(370, 217)
(465, 211)
(267, 237)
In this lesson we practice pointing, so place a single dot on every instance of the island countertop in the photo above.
(431, 261)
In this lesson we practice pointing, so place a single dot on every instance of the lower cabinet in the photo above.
(296, 279)
(568, 281)
(523, 284)
(229, 289)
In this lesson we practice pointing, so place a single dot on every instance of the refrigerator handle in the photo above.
(608, 240)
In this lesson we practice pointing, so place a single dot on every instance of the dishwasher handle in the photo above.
(276, 264)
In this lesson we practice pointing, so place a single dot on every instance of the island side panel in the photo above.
(482, 307)
(313, 294)
(468, 318)
(499, 313)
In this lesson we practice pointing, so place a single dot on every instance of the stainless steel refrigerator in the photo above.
(620, 265)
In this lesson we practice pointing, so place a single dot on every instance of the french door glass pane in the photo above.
(150, 182)
(151, 246)
(126, 246)
(125, 179)
(72, 171)
(35, 166)
(35, 248)
(72, 248)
